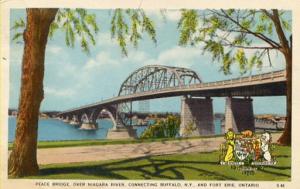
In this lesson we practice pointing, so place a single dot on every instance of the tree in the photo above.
(245, 37)
(39, 26)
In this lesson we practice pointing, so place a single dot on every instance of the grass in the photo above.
(73, 143)
(191, 166)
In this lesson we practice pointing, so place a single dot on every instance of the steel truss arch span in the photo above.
(155, 77)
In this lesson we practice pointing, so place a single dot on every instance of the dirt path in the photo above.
(120, 151)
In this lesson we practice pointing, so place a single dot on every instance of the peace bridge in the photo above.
(156, 81)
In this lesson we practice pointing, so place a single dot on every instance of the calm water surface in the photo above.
(52, 129)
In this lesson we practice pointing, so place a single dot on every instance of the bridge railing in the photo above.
(247, 79)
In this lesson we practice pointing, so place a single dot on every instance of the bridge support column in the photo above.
(239, 114)
(74, 121)
(121, 133)
(66, 120)
(196, 117)
(89, 126)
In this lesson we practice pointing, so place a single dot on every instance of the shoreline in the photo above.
(101, 142)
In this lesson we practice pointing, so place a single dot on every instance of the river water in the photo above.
(52, 129)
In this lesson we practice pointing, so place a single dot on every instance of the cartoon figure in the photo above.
(265, 140)
(230, 136)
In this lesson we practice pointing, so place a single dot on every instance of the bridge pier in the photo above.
(74, 121)
(66, 120)
(121, 133)
(89, 126)
(239, 114)
(196, 117)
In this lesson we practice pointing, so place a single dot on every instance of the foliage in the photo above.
(168, 128)
(77, 24)
(127, 27)
(241, 36)
(189, 129)
(139, 23)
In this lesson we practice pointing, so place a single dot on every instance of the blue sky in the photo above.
(73, 78)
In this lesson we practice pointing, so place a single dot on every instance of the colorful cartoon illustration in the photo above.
(230, 137)
(265, 141)
(247, 134)
(247, 149)
(257, 148)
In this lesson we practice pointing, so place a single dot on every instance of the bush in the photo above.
(168, 128)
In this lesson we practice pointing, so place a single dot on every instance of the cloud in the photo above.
(136, 56)
(16, 54)
(173, 15)
(105, 40)
(104, 58)
(61, 92)
(169, 15)
(177, 56)
(53, 49)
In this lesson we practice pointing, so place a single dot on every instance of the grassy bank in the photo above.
(191, 166)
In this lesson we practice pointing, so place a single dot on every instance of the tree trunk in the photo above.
(286, 49)
(23, 160)
(286, 137)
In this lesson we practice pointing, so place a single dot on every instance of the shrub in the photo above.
(168, 128)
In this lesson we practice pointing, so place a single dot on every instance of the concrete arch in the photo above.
(110, 115)
(84, 118)
(154, 77)
(75, 117)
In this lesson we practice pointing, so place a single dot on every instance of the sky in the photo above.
(73, 78)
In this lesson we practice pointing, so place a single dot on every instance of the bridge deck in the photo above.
(267, 84)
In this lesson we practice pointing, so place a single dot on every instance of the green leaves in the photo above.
(246, 23)
(242, 60)
(233, 35)
(187, 25)
(77, 24)
(19, 24)
(128, 25)
(17, 36)
(215, 48)
(135, 34)
(286, 25)
(18, 27)
(227, 61)
(148, 26)
(119, 25)
(168, 128)
(53, 27)
(261, 28)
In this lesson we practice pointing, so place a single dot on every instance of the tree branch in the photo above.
(259, 35)
(284, 42)
(247, 47)
(267, 13)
